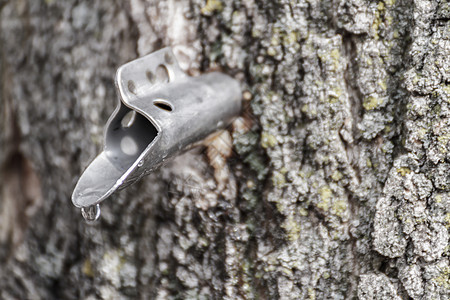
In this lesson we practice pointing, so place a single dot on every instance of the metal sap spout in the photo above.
(161, 112)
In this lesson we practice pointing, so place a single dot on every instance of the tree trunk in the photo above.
(336, 184)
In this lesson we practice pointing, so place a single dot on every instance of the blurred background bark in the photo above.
(334, 184)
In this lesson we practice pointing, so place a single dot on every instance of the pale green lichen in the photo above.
(290, 38)
(271, 51)
(292, 228)
(278, 179)
(443, 280)
(371, 102)
(443, 141)
(376, 24)
(336, 176)
(422, 132)
(310, 111)
(211, 7)
(389, 3)
(268, 140)
(403, 171)
(446, 89)
(331, 58)
(303, 212)
(325, 194)
(334, 94)
(339, 207)
(335, 55)
(275, 41)
(447, 220)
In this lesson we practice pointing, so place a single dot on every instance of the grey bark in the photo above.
(335, 185)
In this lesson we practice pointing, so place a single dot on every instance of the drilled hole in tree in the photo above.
(163, 105)
(128, 119)
(162, 74)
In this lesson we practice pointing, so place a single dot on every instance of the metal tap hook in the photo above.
(161, 112)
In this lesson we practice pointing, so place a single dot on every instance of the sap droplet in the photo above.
(91, 213)
(141, 163)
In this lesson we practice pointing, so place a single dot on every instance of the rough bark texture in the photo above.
(337, 186)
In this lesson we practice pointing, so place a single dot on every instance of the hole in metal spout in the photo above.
(131, 86)
(129, 145)
(150, 76)
(162, 74)
(168, 58)
(163, 105)
(128, 119)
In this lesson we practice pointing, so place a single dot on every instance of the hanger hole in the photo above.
(162, 74)
(128, 119)
(131, 87)
(163, 105)
(168, 58)
(150, 76)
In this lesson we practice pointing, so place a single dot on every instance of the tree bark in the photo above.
(333, 184)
